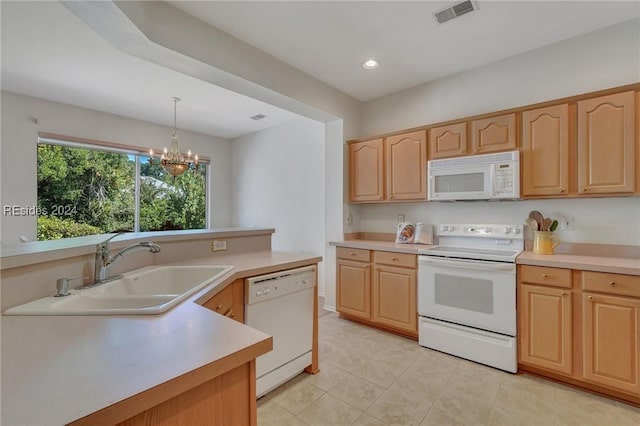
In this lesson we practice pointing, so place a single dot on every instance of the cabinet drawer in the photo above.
(626, 285)
(543, 275)
(395, 259)
(353, 254)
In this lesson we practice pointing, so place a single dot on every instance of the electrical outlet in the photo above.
(566, 223)
(218, 245)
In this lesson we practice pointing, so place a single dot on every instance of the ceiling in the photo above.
(48, 52)
(333, 39)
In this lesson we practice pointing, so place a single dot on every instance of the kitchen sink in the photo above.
(150, 290)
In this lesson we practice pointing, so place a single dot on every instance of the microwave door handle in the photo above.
(492, 180)
(468, 264)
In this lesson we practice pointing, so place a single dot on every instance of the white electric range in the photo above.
(467, 293)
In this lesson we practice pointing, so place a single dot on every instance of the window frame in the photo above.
(137, 152)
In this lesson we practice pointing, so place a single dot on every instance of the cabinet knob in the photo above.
(564, 293)
(561, 189)
(395, 259)
(590, 297)
(612, 283)
(585, 189)
(218, 307)
(545, 276)
(351, 253)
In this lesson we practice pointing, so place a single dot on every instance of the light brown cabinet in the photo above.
(545, 151)
(406, 166)
(394, 291)
(448, 141)
(353, 283)
(229, 301)
(545, 333)
(366, 171)
(381, 293)
(611, 331)
(390, 169)
(582, 327)
(225, 400)
(494, 134)
(487, 135)
(606, 144)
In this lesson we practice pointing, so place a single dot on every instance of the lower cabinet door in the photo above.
(611, 327)
(394, 298)
(353, 289)
(545, 332)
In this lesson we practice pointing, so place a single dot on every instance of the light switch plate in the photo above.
(218, 245)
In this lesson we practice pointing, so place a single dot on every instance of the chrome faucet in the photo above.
(104, 261)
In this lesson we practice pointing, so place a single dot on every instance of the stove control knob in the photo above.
(507, 230)
(445, 228)
(516, 230)
(487, 230)
(452, 228)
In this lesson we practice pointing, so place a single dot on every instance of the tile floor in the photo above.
(368, 377)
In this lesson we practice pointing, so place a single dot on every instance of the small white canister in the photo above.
(424, 234)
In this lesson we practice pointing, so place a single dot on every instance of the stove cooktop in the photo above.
(478, 241)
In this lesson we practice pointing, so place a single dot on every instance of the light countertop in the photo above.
(58, 369)
(33, 252)
(617, 265)
(381, 245)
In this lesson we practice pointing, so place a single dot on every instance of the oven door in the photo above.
(476, 293)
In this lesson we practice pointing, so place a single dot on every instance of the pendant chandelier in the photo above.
(172, 160)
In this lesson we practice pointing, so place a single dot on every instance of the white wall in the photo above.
(599, 60)
(596, 220)
(278, 180)
(19, 153)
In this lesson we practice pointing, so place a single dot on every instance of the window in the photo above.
(85, 189)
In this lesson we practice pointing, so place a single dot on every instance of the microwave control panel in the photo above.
(506, 175)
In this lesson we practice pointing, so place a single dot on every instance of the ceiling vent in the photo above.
(455, 11)
(258, 117)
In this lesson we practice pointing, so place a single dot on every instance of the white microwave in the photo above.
(477, 177)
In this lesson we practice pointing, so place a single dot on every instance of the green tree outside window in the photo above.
(87, 191)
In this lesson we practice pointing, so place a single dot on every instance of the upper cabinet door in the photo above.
(494, 134)
(366, 171)
(448, 141)
(545, 151)
(606, 144)
(406, 164)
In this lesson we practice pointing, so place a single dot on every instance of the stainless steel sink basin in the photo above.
(150, 290)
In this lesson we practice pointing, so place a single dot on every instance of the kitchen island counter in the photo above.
(59, 369)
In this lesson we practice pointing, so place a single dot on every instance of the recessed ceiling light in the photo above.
(370, 64)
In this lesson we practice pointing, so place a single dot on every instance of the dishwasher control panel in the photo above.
(267, 287)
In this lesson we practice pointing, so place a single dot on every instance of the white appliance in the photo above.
(477, 177)
(467, 293)
(281, 304)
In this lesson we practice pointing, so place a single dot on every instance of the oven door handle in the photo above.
(468, 264)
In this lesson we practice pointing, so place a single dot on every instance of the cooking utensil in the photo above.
(537, 216)
(546, 224)
(531, 223)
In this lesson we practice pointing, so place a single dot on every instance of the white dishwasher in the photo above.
(281, 304)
